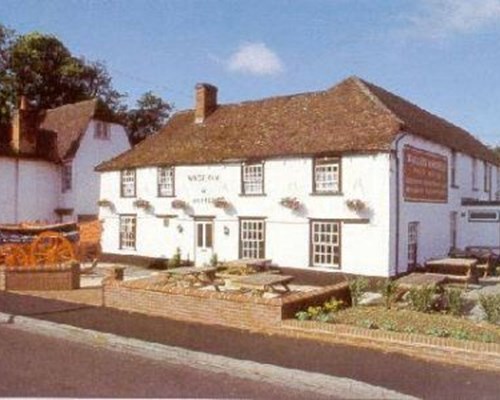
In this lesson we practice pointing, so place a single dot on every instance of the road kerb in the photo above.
(292, 378)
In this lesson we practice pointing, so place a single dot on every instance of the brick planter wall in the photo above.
(210, 307)
(65, 277)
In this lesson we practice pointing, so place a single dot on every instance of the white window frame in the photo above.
(101, 130)
(67, 176)
(128, 232)
(326, 243)
(474, 174)
(128, 183)
(327, 175)
(252, 178)
(252, 238)
(166, 182)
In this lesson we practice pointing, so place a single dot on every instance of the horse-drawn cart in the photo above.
(27, 245)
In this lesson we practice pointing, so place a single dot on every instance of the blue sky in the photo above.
(443, 55)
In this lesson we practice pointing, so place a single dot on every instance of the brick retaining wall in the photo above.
(65, 277)
(216, 308)
(463, 352)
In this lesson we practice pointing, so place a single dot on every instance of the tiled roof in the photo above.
(58, 130)
(69, 122)
(353, 116)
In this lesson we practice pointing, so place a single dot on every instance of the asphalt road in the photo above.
(401, 373)
(35, 365)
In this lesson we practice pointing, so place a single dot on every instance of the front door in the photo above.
(204, 230)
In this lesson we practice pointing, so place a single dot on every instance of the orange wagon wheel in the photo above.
(51, 248)
(16, 256)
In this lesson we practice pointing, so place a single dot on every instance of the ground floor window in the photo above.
(325, 244)
(412, 245)
(128, 225)
(252, 238)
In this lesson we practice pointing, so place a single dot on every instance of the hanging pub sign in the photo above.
(425, 176)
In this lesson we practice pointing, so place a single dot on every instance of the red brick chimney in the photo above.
(206, 101)
(23, 135)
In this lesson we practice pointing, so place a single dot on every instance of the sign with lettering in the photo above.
(425, 176)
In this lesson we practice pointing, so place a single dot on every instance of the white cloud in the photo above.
(255, 59)
(443, 18)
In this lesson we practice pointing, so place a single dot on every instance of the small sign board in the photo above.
(425, 176)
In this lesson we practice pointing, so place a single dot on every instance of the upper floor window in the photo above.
(487, 177)
(453, 168)
(67, 176)
(326, 175)
(127, 183)
(474, 174)
(165, 181)
(252, 176)
(101, 130)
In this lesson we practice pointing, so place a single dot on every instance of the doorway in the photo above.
(204, 237)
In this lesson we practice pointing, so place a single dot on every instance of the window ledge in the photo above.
(326, 194)
(166, 197)
(252, 195)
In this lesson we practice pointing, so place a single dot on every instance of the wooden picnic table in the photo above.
(454, 266)
(249, 265)
(264, 281)
(201, 274)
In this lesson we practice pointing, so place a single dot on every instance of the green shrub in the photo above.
(323, 313)
(490, 303)
(438, 331)
(454, 300)
(175, 261)
(460, 334)
(158, 263)
(214, 260)
(422, 298)
(487, 338)
(388, 326)
(357, 287)
(389, 289)
(368, 324)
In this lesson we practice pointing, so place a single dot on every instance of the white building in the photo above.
(47, 162)
(352, 179)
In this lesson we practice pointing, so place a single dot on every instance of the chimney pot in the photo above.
(206, 101)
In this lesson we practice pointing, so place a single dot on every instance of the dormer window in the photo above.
(101, 130)
(326, 175)
(127, 183)
(252, 178)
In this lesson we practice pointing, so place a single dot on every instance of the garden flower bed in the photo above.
(409, 321)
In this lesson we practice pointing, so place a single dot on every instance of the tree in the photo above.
(149, 116)
(497, 150)
(41, 68)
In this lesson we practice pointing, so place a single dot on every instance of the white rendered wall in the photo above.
(434, 218)
(29, 190)
(84, 194)
(364, 246)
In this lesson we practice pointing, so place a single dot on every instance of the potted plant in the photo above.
(290, 202)
(221, 202)
(355, 205)
(141, 203)
(105, 203)
(179, 204)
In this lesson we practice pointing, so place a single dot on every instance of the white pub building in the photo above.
(352, 179)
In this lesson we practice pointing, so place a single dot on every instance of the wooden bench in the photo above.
(264, 282)
(204, 275)
(454, 266)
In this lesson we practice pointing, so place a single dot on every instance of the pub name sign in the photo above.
(425, 176)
